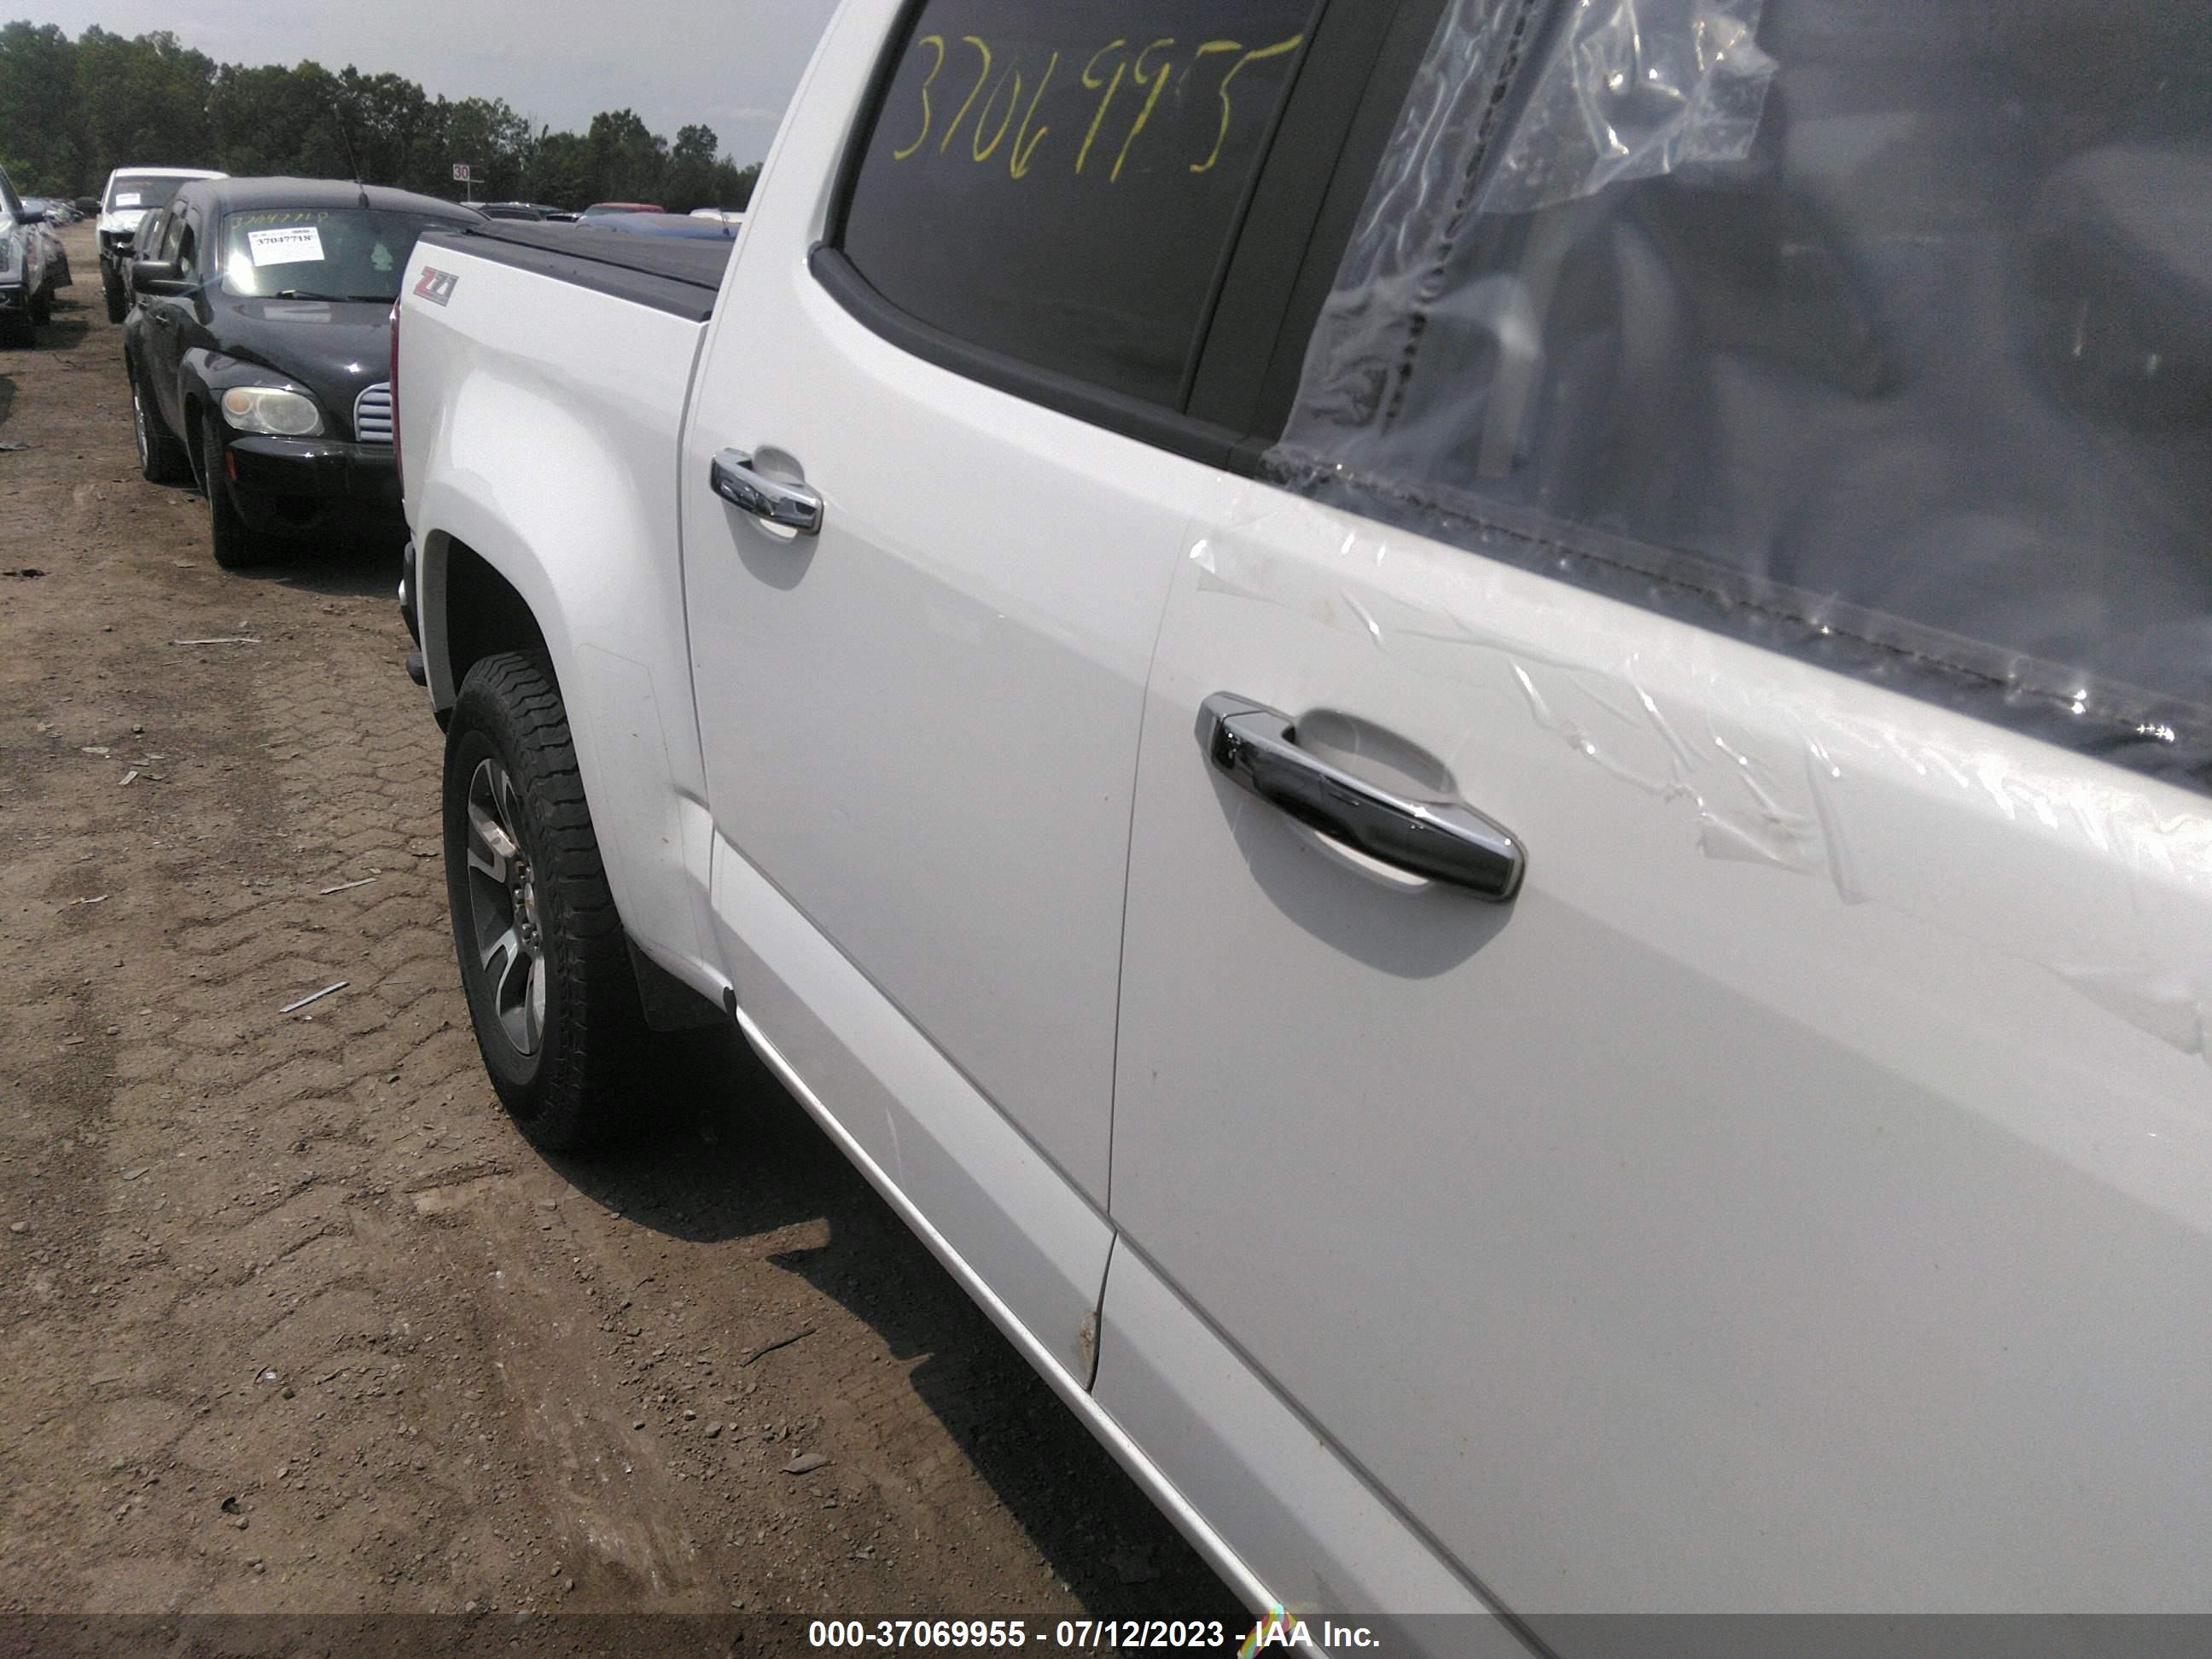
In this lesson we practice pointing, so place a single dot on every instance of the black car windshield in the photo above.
(129, 193)
(320, 253)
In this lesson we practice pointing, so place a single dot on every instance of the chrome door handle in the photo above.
(1256, 748)
(793, 506)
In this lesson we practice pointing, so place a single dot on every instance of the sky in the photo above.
(730, 63)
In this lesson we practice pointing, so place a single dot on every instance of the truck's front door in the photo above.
(921, 718)
(1798, 1193)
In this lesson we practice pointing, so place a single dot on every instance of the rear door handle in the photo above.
(1256, 748)
(791, 506)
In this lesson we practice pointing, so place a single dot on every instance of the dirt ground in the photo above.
(291, 1320)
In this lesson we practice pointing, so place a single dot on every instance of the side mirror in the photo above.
(158, 276)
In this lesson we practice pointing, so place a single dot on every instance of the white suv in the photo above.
(131, 194)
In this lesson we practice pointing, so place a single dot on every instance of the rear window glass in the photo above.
(1061, 183)
(1879, 332)
(130, 192)
(320, 253)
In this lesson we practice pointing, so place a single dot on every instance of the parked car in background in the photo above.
(509, 211)
(131, 194)
(682, 227)
(151, 231)
(559, 216)
(610, 209)
(47, 217)
(87, 206)
(26, 268)
(730, 217)
(258, 352)
(1479, 762)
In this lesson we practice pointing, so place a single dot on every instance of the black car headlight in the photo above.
(272, 409)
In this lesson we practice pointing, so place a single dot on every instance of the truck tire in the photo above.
(550, 989)
(161, 459)
(236, 546)
(111, 284)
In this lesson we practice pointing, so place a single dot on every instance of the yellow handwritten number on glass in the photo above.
(982, 75)
(1222, 137)
(1017, 158)
(922, 138)
(977, 150)
(1120, 69)
(1158, 83)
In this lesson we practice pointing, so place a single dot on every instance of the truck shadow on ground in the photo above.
(6, 398)
(726, 1153)
(340, 565)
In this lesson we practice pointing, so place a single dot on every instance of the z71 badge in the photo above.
(436, 286)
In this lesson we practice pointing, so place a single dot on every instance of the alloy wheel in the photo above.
(503, 916)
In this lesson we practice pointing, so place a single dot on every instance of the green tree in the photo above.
(691, 181)
(273, 120)
(629, 160)
(389, 118)
(40, 112)
(560, 171)
(144, 101)
(733, 185)
(72, 111)
(497, 143)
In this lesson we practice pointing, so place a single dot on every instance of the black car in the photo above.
(257, 347)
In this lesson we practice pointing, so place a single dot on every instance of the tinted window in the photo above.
(1062, 183)
(1862, 319)
(320, 253)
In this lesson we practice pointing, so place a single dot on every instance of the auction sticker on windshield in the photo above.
(124, 199)
(296, 244)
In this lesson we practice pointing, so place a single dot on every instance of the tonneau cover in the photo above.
(678, 275)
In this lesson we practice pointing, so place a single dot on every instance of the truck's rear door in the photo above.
(921, 720)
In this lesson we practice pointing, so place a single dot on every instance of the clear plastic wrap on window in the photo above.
(1632, 89)
(1877, 335)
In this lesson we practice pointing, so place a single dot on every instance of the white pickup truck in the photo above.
(1468, 738)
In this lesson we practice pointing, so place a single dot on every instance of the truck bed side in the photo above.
(543, 376)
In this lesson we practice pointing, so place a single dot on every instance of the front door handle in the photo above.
(1256, 748)
(791, 506)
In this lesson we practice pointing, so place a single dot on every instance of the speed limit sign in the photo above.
(460, 172)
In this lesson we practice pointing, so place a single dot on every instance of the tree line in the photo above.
(71, 111)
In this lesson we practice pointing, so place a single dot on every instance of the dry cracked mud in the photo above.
(293, 1320)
